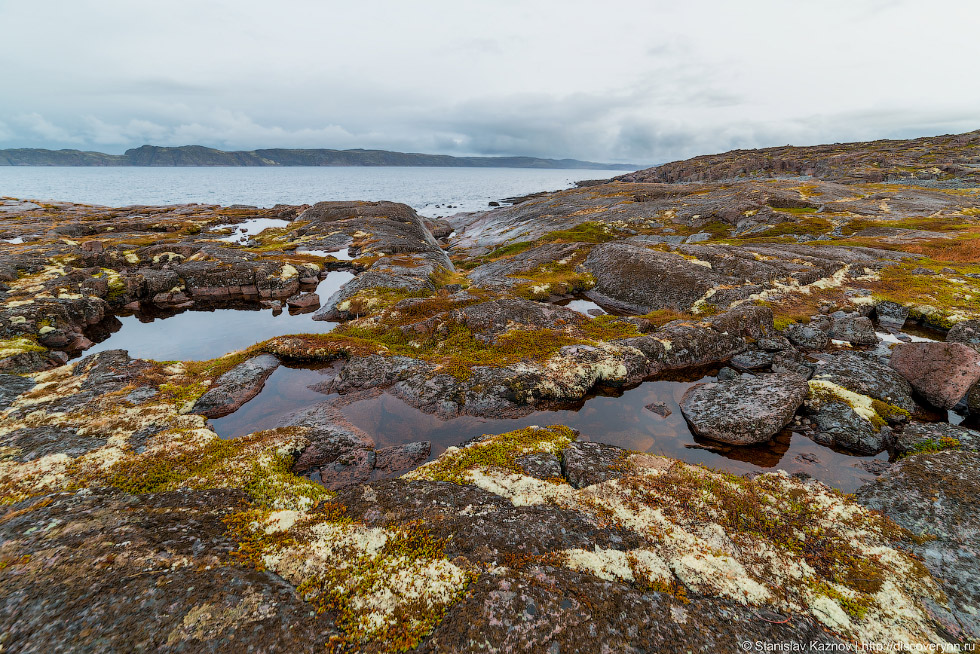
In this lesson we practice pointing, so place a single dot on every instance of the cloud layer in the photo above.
(621, 80)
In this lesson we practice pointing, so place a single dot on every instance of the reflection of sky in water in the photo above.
(248, 228)
(583, 306)
(199, 335)
(340, 255)
(622, 421)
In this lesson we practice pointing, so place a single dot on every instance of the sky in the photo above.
(612, 80)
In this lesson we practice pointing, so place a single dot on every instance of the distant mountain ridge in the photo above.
(198, 155)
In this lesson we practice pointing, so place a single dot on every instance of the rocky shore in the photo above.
(804, 294)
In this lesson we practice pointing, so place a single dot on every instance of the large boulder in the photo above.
(236, 387)
(743, 411)
(941, 372)
(867, 376)
(807, 337)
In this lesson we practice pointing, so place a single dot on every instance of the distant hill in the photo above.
(197, 155)
(951, 159)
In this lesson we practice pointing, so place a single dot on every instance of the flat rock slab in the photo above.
(236, 387)
(941, 372)
(743, 411)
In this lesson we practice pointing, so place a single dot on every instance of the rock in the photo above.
(934, 495)
(394, 460)
(856, 330)
(941, 372)
(775, 343)
(140, 573)
(743, 411)
(491, 318)
(746, 320)
(966, 332)
(840, 426)
(751, 360)
(891, 315)
(12, 386)
(660, 408)
(303, 301)
(807, 337)
(584, 463)
(936, 434)
(640, 280)
(867, 376)
(541, 465)
(793, 363)
(352, 467)
(727, 374)
(236, 387)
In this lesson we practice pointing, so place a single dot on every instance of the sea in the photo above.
(431, 192)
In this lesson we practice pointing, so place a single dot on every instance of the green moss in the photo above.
(219, 463)
(497, 453)
(19, 345)
(934, 445)
(889, 412)
(608, 328)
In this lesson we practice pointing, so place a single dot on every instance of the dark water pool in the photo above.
(204, 334)
(618, 420)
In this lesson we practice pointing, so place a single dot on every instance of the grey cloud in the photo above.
(641, 80)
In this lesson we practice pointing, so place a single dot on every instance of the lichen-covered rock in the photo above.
(807, 337)
(934, 436)
(891, 315)
(934, 495)
(856, 330)
(640, 280)
(941, 372)
(966, 332)
(106, 571)
(744, 410)
(839, 425)
(236, 387)
(867, 376)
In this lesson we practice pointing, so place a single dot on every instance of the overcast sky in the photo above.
(607, 80)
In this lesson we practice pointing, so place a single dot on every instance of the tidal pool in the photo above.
(248, 228)
(196, 335)
(620, 419)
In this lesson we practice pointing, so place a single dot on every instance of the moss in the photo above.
(244, 463)
(889, 412)
(608, 328)
(19, 345)
(496, 453)
(934, 445)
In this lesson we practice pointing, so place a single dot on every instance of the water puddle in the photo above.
(248, 228)
(340, 255)
(621, 420)
(587, 307)
(196, 335)
(903, 337)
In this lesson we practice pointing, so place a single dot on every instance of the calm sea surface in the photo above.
(428, 190)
